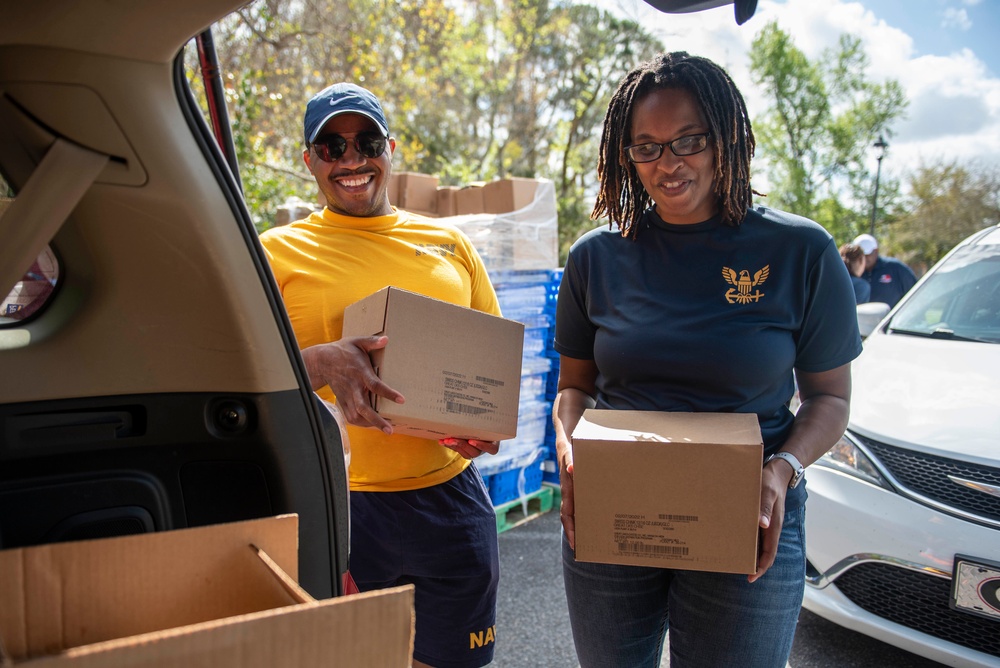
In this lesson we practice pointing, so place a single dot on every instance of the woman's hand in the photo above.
(773, 487)
(576, 394)
(567, 508)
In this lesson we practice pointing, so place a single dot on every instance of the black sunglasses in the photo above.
(332, 147)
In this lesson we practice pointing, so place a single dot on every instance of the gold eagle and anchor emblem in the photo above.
(741, 293)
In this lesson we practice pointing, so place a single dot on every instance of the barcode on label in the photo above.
(633, 547)
(453, 407)
(679, 518)
(490, 381)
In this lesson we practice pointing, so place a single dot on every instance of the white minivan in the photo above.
(903, 519)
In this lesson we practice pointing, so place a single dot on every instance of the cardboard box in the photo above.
(673, 490)
(524, 239)
(223, 595)
(446, 201)
(418, 192)
(469, 200)
(392, 189)
(506, 195)
(459, 369)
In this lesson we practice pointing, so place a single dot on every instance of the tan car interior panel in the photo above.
(66, 169)
(117, 215)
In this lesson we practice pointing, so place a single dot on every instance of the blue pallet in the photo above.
(503, 278)
(536, 342)
(507, 486)
(550, 474)
(550, 437)
(551, 385)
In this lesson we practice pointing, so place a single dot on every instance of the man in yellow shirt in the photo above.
(420, 512)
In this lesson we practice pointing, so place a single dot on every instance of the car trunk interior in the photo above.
(160, 387)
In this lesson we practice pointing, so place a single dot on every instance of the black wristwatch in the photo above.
(794, 462)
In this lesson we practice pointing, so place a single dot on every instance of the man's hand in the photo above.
(470, 449)
(346, 366)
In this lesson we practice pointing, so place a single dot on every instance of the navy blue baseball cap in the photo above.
(342, 98)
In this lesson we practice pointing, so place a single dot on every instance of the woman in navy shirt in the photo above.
(854, 260)
(692, 299)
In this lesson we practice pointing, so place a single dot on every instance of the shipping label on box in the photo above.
(459, 369)
(216, 596)
(673, 490)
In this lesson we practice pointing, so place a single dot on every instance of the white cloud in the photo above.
(954, 112)
(956, 18)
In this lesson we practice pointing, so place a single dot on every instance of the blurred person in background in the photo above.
(888, 277)
(854, 260)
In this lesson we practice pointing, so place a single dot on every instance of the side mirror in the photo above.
(870, 315)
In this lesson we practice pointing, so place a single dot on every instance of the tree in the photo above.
(473, 89)
(598, 49)
(814, 139)
(947, 203)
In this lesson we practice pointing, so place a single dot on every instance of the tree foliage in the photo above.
(473, 89)
(947, 203)
(815, 138)
(482, 89)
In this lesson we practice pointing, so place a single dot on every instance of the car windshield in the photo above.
(960, 300)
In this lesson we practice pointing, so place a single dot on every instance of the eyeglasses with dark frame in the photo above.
(682, 146)
(332, 147)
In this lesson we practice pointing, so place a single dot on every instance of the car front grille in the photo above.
(927, 475)
(918, 601)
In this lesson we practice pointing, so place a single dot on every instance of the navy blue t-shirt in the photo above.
(862, 289)
(709, 317)
(890, 279)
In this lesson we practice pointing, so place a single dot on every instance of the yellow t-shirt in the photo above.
(328, 261)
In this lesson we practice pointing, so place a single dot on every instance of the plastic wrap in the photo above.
(524, 239)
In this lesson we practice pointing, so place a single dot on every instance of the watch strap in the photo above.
(794, 462)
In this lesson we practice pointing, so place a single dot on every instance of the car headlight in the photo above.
(848, 457)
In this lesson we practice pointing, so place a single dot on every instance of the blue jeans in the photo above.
(620, 614)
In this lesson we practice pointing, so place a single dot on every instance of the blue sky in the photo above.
(944, 53)
(946, 26)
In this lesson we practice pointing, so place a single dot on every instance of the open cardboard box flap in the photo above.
(653, 426)
(222, 595)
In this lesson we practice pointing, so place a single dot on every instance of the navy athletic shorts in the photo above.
(443, 540)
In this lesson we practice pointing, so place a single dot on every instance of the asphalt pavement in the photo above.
(533, 624)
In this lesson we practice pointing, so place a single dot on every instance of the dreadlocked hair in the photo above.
(621, 196)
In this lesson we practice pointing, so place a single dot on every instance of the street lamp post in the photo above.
(881, 145)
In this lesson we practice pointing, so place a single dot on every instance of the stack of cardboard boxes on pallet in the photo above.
(516, 471)
(512, 222)
(513, 225)
(420, 193)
